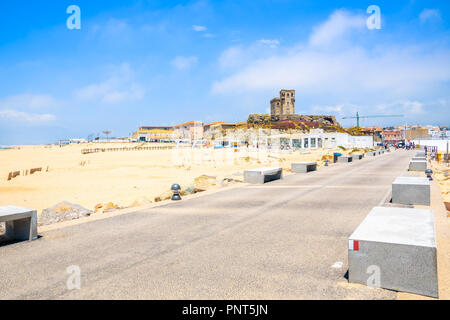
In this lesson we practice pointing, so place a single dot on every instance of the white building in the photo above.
(318, 139)
(441, 144)
(276, 139)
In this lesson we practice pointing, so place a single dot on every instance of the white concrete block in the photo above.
(395, 248)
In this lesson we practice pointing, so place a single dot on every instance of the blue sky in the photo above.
(136, 63)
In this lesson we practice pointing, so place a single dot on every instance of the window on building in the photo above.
(313, 142)
(306, 143)
(297, 143)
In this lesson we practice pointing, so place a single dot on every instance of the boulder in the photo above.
(205, 182)
(142, 201)
(166, 195)
(63, 211)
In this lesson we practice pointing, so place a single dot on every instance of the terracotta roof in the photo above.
(187, 123)
(144, 128)
(212, 123)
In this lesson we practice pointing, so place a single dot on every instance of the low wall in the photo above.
(440, 144)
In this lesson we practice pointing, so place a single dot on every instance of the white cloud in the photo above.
(231, 57)
(184, 63)
(11, 108)
(430, 14)
(269, 43)
(20, 116)
(351, 73)
(339, 109)
(116, 89)
(405, 107)
(29, 101)
(198, 28)
(340, 23)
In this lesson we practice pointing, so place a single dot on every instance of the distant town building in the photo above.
(375, 132)
(279, 139)
(416, 133)
(154, 134)
(392, 136)
(192, 130)
(218, 129)
(210, 127)
(284, 105)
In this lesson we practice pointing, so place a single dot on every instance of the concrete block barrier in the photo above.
(262, 175)
(21, 223)
(303, 167)
(395, 248)
(345, 159)
(421, 154)
(411, 190)
(417, 165)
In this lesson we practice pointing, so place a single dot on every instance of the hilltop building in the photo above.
(284, 105)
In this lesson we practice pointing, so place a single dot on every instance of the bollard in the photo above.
(429, 172)
(176, 192)
(326, 163)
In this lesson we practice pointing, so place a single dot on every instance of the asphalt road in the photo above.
(274, 241)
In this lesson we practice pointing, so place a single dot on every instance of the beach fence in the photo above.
(98, 150)
(14, 174)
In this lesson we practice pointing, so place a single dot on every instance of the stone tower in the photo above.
(283, 105)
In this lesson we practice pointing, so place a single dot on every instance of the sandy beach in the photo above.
(127, 178)
(441, 174)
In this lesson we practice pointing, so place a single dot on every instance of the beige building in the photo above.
(154, 134)
(416, 133)
(283, 105)
(192, 130)
(219, 129)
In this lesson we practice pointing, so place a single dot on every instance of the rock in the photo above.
(164, 196)
(106, 207)
(328, 157)
(188, 190)
(143, 201)
(63, 211)
(205, 182)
